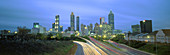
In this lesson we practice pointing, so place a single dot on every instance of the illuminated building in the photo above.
(53, 25)
(57, 26)
(136, 28)
(5, 31)
(102, 20)
(38, 29)
(91, 27)
(96, 28)
(77, 23)
(72, 21)
(117, 31)
(111, 20)
(105, 29)
(61, 28)
(146, 26)
(35, 25)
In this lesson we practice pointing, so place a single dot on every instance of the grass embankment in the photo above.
(73, 50)
(162, 48)
(34, 47)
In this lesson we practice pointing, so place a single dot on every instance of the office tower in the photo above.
(35, 25)
(146, 26)
(102, 20)
(69, 28)
(91, 27)
(57, 26)
(77, 23)
(72, 21)
(88, 27)
(136, 28)
(53, 25)
(61, 28)
(111, 20)
(105, 29)
(96, 28)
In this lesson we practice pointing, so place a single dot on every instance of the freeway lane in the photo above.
(87, 49)
(96, 47)
(129, 50)
(110, 50)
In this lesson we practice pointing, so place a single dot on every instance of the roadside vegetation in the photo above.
(37, 44)
(162, 48)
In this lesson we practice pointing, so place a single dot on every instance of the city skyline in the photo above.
(26, 14)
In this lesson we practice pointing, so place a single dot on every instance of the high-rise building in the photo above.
(77, 23)
(105, 29)
(35, 25)
(69, 28)
(96, 28)
(136, 28)
(72, 21)
(88, 27)
(111, 20)
(146, 26)
(61, 28)
(102, 20)
(53, 25)
(91, 27)
(57, 25)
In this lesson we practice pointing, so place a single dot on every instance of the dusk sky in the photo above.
(15, 13)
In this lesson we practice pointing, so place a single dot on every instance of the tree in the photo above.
(23, 31)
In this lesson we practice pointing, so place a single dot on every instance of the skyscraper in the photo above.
(111, 20)
(102, 20)
(136, 28)
(61, 28)
(146, 26)
(77, 23)
(57, 26)
(96, 28)
(91, 27)
(53, 25)
(72, 21)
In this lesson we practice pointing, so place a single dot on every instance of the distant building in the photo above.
(69, 28)
(57, 25)
(53, 25)
(146, 26)
(96, 28)
(91, 27)
(72, 23)
(35, 25)
(61, 28)
(116, 31)
(105, 29)
(88, 27)
(163, 36)
(135, 28)
(38, 29)
(102, 20)
(77, 23)
(4, 32)
(111, 20)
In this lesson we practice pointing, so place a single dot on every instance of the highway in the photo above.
(95, 47)
(128, 50)
(87, 49)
